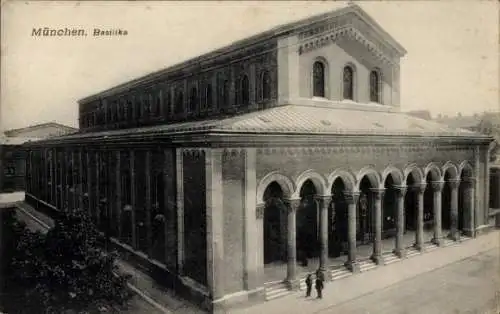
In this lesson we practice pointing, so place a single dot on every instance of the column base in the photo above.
(378, 259)
(470, 233)
(419, 247)
(437, 241)
(293, 284)
(401, 253)
(353, 266)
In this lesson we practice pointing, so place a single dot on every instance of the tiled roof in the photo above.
(301, 120)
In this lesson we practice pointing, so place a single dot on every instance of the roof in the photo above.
(297, 119)
(16, 140)
(12, 132)
(465, 122)
(275, 32)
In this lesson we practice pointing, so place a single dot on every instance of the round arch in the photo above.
(450, 168)
(371, 173)
(434, 170)
(346, 176)
(326, 77)
(318, 180)
(417, 173)
(396, 174)
(285, 183)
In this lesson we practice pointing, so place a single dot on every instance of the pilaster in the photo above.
(215, 223)
(133, 198)
(179, 166)
(147, 172)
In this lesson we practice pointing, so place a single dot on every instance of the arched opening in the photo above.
(319, 79)
(308, 240)
(446, 204)
(179, 102)
(266, 85)
(338, 221)
(389, 209)
(364, 217)
(348, 81)
(465, 199)
(274, 224)
(208, 96)
(411, 209)
(193, 100)
(429, 206)
(245, 91)
(375, 86)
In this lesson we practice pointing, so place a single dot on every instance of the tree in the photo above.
(66, 268)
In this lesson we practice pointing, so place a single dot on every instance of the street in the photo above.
(467, 286)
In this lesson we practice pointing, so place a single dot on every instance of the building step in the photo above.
(410, 252)
(390, 258)
(367, 265)
(430, 247)
(465, 238)
(339, 273)
(276, 290)
(449, 242)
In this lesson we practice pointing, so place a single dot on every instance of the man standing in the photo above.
(319, 284)
(309, 283)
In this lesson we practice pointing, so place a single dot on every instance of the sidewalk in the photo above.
(346, 289)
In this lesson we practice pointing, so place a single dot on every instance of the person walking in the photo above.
(309, 283)
(319, 285)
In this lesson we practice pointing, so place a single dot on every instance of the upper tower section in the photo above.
(342, 58)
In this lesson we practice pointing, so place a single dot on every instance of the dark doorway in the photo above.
(273, 227)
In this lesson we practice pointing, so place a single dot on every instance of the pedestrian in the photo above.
(319, 286)
(309, 284)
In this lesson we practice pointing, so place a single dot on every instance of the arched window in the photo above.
(179, 102)
(374, 86)
(225, 93)
(348, 81)
(147, 106)
(166, 103)
(157, 106)
(193, 100)
(319, 79)
(137, 109)
(265, 85)
(245, 91)
(130, 110)
(208, 96)
(120, 110)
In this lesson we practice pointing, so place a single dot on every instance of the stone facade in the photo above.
(207, 204)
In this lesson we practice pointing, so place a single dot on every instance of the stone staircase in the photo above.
(338, 273)
(430, 247)
(366, 265)
(390, 258)
(276, 289)
(449, 242)
(412, 251)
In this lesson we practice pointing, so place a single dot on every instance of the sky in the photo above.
(451, 65)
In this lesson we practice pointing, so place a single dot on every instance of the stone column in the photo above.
(454, 234)
(293, 283)
(147, 174)
(400, 223)
(352, 201)
(179, 167)
(324, 203)
(437, 188)
(133, 197)
(97, 189)
(74, 180)
(378, 195)
(419, 189)
(118, 197)
(215, 223)
(90, 195)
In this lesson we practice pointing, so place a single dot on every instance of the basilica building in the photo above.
(233, 174)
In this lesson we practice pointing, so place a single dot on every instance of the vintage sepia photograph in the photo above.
(250, 157)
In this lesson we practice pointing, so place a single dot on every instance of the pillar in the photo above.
(400, 223)
(419, 241)
(454, 234)
(81, 180)
(378, 195)
(253, 265)
(324, 203)
(147, 172)
(169, 207)
(90, 194)
(74, 181)
(215, 223)
(292, 207)
(437, 188)
(180, 209)
(118, 197)
(97, 189)
(133, 197)
(352, 200)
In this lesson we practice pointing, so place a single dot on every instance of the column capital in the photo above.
(323, 200)
(259, 211)
(419, 187)
(454, 183)
(437, 186)
(400, 190)
(378, 193)
(351, 197)
(292, 204)
(470, 181)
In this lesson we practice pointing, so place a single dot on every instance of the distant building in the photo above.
(12, 153)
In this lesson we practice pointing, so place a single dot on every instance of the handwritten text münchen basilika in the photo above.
(76, 32)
